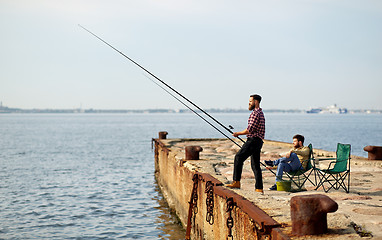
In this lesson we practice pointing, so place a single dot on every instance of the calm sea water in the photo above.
(84, 176)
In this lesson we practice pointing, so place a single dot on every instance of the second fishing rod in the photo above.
(168, 86)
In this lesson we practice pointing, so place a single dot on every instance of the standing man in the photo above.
(255, 134)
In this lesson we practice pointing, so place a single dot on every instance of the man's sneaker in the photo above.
(269, 163)
(273, 188)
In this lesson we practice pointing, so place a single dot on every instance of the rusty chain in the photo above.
(194, 200)
(210, 202)
(193, 208)
(230, 205)
(258, 230)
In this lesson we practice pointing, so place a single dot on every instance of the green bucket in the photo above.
(283, 186)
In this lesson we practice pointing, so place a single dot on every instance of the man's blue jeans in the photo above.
(286, 165)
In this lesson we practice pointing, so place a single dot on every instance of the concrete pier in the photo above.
(217, 212)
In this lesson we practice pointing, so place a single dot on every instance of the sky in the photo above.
(296, 54)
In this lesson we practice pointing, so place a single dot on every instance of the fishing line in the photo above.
(192, 110)
(229, 130)
(161, 81)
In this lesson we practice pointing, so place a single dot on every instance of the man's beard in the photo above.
(297, 146)
(251, 107)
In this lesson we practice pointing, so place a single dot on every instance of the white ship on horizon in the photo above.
(333, 109)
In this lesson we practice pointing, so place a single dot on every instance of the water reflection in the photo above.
(167, 222)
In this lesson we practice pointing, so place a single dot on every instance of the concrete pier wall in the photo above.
(175, 178)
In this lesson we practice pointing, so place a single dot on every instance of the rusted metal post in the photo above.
(308, 213)
(163, 135)
(374, 152)
(192, 152)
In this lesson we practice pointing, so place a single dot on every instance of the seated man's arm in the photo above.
(287, 154)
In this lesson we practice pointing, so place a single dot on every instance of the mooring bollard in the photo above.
(162, 135)
(374, 152)
(308, 214)
(192, 152)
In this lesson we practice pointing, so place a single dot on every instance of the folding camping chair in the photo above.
(299, 177)
(338, 175)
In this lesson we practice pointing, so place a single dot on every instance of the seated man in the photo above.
(293, 159)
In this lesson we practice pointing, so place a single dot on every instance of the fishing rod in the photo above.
(229, 130)
(161, 81)
(193, 111)
(202, 118)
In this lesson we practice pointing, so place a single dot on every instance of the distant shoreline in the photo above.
(6, 110)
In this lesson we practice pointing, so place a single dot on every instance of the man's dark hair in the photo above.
(299, 138)
(256, 97)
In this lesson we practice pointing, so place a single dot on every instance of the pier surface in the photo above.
(362, 206)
